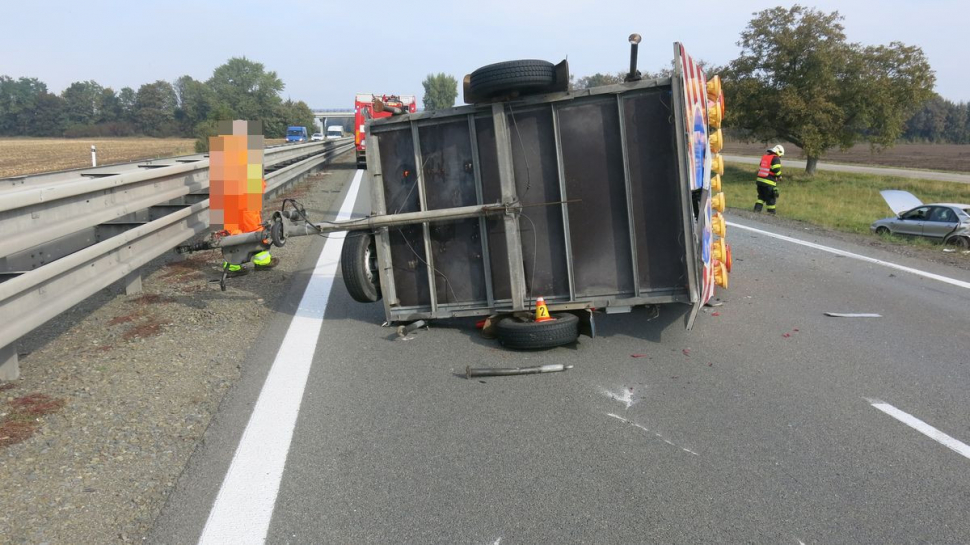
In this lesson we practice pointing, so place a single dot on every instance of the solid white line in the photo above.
(923, 428)
(948, 280)
(244, 507)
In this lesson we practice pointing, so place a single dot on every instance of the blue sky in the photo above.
(327, 51)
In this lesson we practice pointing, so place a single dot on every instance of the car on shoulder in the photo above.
(948, 223)
(316, 137)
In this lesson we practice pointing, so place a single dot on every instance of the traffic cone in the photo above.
(542, 311)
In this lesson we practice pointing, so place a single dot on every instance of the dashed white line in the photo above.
(244, 507)
(836, 251)
(922, 427)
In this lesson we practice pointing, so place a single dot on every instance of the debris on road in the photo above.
(638, 355)
(508, 371)
(852, 315)
(404, 332)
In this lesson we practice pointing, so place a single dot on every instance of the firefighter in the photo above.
(769, 174)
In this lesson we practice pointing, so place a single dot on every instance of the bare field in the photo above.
(948, 157)
(19, 156)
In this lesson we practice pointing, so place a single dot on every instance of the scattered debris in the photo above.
(949, 250)
(626, 397)
(716, 303)
(852, 315)
(507, 371)
(786, 335)
(404, 332)
(638, 355)
(715, 314)
(22, 420)
(686, 352)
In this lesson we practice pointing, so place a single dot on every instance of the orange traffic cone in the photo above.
(542, 311)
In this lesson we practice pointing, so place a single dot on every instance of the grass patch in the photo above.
(836, 200)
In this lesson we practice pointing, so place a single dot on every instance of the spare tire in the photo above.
(358, 263)
(529, 335)
(512, 77)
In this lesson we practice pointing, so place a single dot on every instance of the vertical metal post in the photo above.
(629, 194)
(426, 227)
(94, 156)
(9, 364)
(382, 237)
(565, 208)
(133, 282)
(480, 200)
(506, 175)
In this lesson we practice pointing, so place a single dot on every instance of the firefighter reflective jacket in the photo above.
(769, 171)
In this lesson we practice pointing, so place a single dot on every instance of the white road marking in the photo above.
(948, 280)
(244, 507)
(661, 437)
(922, 427)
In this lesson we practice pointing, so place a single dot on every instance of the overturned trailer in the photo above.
(600, 198)
(604, 198)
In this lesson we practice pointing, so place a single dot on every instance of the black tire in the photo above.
(512, 77)
(513, 333)
(358, 263)
(960, 242)
(882, 230)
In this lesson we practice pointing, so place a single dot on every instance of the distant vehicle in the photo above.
(364, 110)
(948, 223)
(316, 137)
(296, 134)
(335, 131)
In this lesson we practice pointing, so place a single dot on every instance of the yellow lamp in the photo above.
(714, 114)
(716, 183)
(718, 225)
(720, 275)
(717, 165)
(717, 141)
(717, 202)
(714, 87)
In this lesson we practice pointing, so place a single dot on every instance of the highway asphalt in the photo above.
(757, 426)
(882, 171)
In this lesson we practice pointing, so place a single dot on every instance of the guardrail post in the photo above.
(133, 282)
(9, 364)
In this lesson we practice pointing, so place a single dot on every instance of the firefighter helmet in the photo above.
(778, 150)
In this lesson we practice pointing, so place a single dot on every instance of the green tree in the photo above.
(155, 108)
(597, 80)
(195, 102)
(81, 102)
(109, 107)
(244, 88)
(18, 99)
(48, 116)
(440, 91)
(292, 113)
(797, 79)
(126, 97)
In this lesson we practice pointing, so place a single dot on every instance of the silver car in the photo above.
(948, 223)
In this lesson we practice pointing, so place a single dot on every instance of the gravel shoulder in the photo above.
(140, 378)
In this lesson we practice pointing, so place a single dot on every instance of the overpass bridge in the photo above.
(334, 116)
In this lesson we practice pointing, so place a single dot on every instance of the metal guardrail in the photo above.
(66, 238)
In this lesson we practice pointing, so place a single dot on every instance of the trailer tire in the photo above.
(512, 77)
(514, 333)
(358, 264)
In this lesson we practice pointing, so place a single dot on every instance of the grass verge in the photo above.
(836, 200)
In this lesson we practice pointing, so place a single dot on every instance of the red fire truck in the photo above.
(365, 108)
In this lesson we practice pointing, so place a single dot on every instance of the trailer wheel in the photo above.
(512, 77)
(514, 333)
(358, 263)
